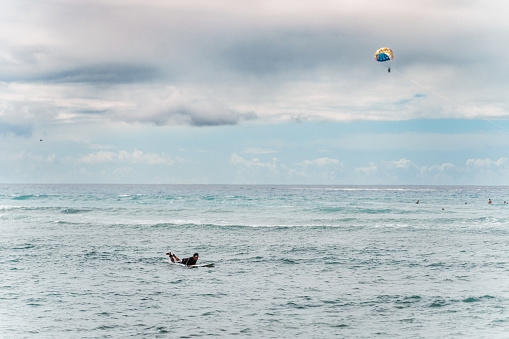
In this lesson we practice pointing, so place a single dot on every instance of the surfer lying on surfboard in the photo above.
(187, 261)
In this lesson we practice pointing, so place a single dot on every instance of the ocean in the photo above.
(88, 261)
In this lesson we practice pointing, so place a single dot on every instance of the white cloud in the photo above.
(421, 141)
(255, 163)
(401, 163)
(439, 168)
(489, 172)
(256, 150)
(487, 162)
(135, 157)
(369, 170)
(88, 73)
(321, 162)
(445, 173)
(405, 171)
(318, 171)
(302, 62)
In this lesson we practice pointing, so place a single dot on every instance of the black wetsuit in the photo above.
(188, 261)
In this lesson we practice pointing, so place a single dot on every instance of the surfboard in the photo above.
(192, 266)
(203, 265)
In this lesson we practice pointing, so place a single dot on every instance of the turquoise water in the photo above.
(87, 261)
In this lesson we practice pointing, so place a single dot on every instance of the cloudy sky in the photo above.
(254, 92)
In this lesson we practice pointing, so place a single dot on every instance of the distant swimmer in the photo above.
(417, 202)
(187, 261)
(489, 201)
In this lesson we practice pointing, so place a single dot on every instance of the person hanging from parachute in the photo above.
(385, 55)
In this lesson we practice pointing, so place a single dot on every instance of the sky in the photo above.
(254, 92)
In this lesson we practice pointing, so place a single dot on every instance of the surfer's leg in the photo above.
(171, 256)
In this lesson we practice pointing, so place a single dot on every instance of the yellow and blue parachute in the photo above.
(385, 55)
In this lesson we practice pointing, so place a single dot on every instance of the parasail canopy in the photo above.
(384, 54)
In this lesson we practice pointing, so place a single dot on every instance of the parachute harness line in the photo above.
(446, 99)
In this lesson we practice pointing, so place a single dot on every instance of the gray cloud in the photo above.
(213, 116)
(195, 116)
(176, 108)
(103, 74)
(287, 51)
(16, 130)
(286, 60)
